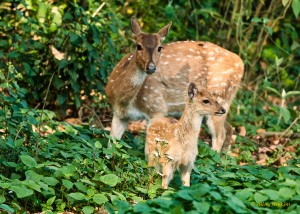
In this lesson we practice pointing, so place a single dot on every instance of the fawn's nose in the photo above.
(223, 110)
(151, 68)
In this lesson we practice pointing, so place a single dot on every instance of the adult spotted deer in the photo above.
(173, 144)
(151, 82)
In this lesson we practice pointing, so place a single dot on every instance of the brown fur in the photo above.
(163, 92)
(172, 145)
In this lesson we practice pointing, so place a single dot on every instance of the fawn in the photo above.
(173, 144)
(151, 82)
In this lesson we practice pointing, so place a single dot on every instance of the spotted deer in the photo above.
(173, 144)
(150, 82)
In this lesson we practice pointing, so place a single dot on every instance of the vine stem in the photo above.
(40, 122)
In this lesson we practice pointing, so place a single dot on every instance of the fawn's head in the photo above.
(148, 46)
(203, 102)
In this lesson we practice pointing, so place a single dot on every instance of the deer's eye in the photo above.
(159, 48)
(206, 101)
(139, 47)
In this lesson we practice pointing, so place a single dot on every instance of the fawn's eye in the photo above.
(139, 47)
(206, 101)
(159, 48)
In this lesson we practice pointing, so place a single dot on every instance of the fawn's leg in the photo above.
(118, 127)
(216, 125)
(185, 172)
(167, 171)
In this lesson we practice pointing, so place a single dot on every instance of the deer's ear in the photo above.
(164, 31)
(193, 91)
(135, 28)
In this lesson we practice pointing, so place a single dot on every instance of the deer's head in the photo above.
(148, 46)
(203, 102)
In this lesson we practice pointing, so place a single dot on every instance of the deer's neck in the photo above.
(189, 126)
(125, 82)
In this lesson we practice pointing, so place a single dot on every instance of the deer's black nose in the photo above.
(151, 68)
(223, 110)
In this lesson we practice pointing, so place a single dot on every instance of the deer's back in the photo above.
(185, 62)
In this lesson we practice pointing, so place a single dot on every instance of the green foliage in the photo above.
(53, 167)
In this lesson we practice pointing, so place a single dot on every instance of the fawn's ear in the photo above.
(193, 91)
(135, 27)
(164, 31)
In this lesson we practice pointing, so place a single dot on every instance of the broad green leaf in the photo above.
(256, 20)
(28, 161)
(21, 191)
(284, 2)
(266, 174)
(216, 195)
(61, 99)
(285, 114)
(51, 200)
(7, 208)
(296, 7)
(201, 207)
(88, 210)
(260, 197)
(50, 181)
(244, 194)
(32, 175)
(286, 193)
(236, 204)
(110, 179)
(272, 194)
(81, 186)
(90, 192)
(185, 194)
(68, 184)
(98, 145)
(100, 199)
(77, 196)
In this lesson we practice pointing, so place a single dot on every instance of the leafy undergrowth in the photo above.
(55, 167)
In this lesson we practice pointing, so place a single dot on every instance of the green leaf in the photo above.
(21, 191)
(50, 181)
(28, 161)
(77, 196)
(273, 90)
(81, 186)
(236, 204)
(272, 194)
(244, 194)
(296, 7)
(260, 198)
(185, 194)
(88, 210)
(7, 208)
(284, 2)
(110, 179)
(286, 193)
(68, 184)
(285, 114)
(266, 174)
(256, 20)
(2, 198)
(90, 192)
(98, 145)
(201, 207)
(100, 199)
(61, 99)
(216, 195)
(291, 93)
(51, 200)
